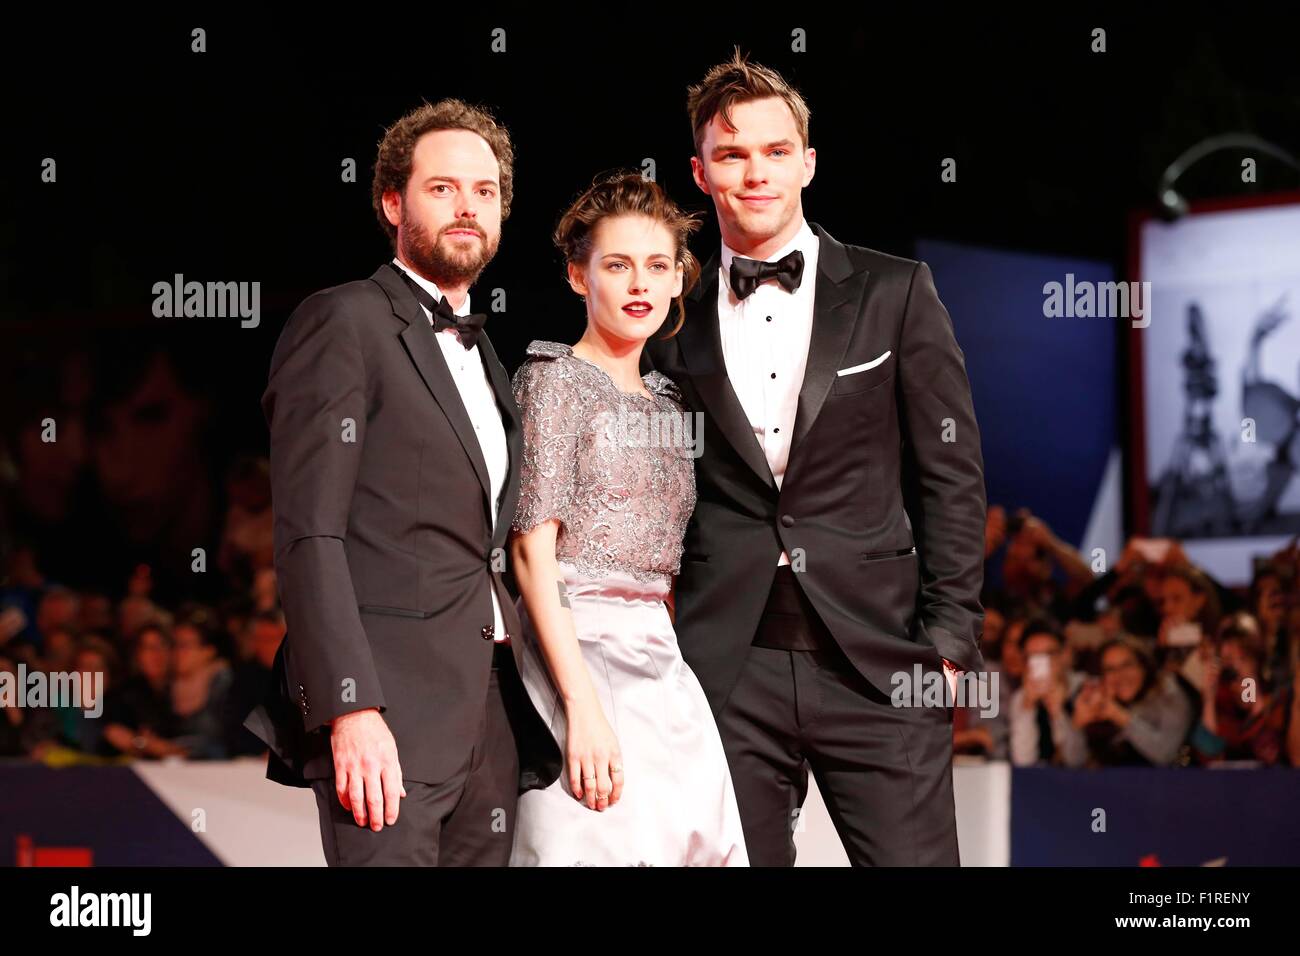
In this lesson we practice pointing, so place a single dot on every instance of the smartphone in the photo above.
(1153, 550)
(1184, 635)
(1082, 634)
(1039, 667)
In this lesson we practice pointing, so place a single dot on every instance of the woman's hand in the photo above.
(1112, 710)
(1211, 667)
(593, 757)
(1087, 705)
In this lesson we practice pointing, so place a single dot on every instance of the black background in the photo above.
(225, 165)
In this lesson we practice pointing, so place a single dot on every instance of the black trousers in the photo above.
(467, 820)
(885, 773)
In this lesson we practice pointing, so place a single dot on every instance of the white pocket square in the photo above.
(864, 366)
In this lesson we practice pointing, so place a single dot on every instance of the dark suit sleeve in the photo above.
(317, 382)
(943, 474)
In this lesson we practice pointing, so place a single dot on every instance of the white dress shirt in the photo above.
(765, 347)
(481, 404)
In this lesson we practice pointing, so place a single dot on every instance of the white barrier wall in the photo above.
(249, 821)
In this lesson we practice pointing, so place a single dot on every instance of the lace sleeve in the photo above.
(549, 407)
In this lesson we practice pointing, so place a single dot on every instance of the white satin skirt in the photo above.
(678, 807)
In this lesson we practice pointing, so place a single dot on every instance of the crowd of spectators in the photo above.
(178, 677)
(1146, 662)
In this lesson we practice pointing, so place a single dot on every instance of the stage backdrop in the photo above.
(1045, 389)
(1220, 367)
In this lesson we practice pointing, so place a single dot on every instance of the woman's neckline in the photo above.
(610, 378)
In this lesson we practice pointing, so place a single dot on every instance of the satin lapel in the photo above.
(835, 313)
(514, 435)
(418, 338)
(700, 341)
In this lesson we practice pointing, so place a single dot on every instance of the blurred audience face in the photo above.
(153, 657)
(1238, 661)
(1153, 583)
(1111, 621)
(1027, 567)
(58, 649)
(1121, 674)
(266, 641)
(134, 613)
(1179, 604)
(96, 613)
(1013, 657)
(147, 451)
(1270, 602)
(140, 584)
(58, 609)
(90, 661)
(991, 638)
(189, 653)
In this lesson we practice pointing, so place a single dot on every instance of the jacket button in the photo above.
(787, 520)
(489, 632)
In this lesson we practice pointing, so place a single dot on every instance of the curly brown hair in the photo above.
(626, 193)
(393, 162)
(739, 80)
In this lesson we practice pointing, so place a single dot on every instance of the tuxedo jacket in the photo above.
(384, 541)
(882, 504)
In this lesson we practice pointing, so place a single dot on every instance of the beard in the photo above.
(433, 258)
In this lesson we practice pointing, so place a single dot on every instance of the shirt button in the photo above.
(787, 520)
(774, 374)
(777, 429)
(769, 318)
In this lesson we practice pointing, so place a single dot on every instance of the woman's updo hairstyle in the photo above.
(628, 194)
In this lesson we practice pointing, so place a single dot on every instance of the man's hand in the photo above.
(12, 622)
(950, 671)
(367, 776)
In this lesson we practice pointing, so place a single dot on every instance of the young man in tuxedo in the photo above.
(395, 455)
(838, 540)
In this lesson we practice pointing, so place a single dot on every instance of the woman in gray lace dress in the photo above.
(607, 488)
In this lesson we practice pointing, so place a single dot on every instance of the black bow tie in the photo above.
(466, 326)
(746, 274)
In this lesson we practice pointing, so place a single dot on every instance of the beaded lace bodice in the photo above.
(615, 467)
